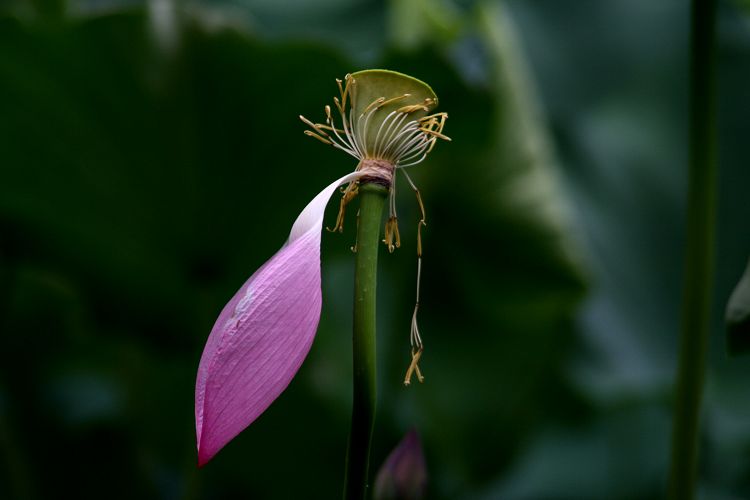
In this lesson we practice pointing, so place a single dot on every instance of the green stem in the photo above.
(696, 302)
(372, 198)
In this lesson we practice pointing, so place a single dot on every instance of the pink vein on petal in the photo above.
(262, 335)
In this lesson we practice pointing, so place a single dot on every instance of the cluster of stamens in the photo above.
(400, 141)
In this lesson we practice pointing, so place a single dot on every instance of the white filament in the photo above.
(397, 141)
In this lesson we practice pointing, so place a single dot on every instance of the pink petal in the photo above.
(262, 335)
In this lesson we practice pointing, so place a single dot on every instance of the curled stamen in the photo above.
(396, 120)
(414, 143)
(414, 367)
(415, 338)
(380, 130)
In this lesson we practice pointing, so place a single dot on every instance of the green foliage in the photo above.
(143, 187)
(141, 183)
(738, 315)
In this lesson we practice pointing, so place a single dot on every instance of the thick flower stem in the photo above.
(696, 299)
(372, 199)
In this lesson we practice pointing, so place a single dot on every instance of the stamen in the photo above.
(436, 134)
(395, 144)
(357, 145)
(350, 193)
(345, 91)
(308, 122)
(350, 79)
(363, 133)
(415, 355)
(322, 129)
(433, 125)
(376, 103)
(393, 128)
(398, 141)
(410, 164)
(412, 108)
(394, 99)
(318, 137)
(407, 146)
(392, 237)
(380, 129)
(353, 104)
(415, 337)
(392, 199)
(391, 226)
(350, 147)
(321, 135)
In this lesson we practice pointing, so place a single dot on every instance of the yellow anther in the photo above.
(315, 126)
(396, 233)
(393, 99)
(376, 103)
(419, 374)
(339, 106)
(436, 134)
(321, 129)
(412, 108)
(306, 121)
(341, 90)
(318, 137)
(392, 237)
(433, 126)
(421, 207)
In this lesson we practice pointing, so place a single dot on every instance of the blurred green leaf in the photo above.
(526, 163)
(415, 22)
(155, 182)
(738, 315)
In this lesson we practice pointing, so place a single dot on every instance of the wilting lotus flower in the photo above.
(265, 331)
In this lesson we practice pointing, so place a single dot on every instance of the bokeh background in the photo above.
(151, 158)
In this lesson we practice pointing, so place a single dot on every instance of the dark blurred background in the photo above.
(151, 159)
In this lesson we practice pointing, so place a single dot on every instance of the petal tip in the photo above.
(204, 457)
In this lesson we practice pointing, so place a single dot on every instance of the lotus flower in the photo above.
(265, 331)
